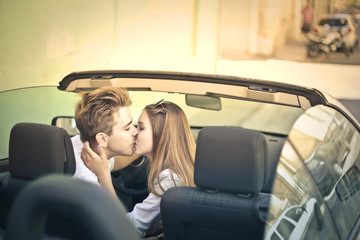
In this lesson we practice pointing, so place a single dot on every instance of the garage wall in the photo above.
(44, 40)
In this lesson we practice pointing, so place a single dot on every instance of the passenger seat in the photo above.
(227, 202)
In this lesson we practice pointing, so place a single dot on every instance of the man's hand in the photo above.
(97, 164)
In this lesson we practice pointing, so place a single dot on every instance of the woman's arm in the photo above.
(147, 212)
(99, 165)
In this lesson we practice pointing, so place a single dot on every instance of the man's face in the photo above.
(122, 140)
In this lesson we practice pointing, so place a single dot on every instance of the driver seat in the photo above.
(227, 203)
(35, 150)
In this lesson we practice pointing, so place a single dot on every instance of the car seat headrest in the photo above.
(230, 159)
(39, 149)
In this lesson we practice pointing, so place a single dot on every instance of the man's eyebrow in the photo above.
(128, 124)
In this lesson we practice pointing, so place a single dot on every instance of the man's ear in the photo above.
(101, 139)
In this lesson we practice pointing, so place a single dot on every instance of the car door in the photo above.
(315, 193)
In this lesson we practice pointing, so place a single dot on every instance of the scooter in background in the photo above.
(331, 42)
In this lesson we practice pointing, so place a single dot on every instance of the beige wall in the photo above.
(257, 27)
(44, 40)
(234, 28)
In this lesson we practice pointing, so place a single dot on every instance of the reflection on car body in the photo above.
(348, 184)
(294, 222)
(325, 161)
(322, 174)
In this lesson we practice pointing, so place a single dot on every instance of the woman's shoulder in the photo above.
(167, 179)
(168, 173)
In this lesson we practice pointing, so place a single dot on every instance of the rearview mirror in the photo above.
(204, 102)
(68, 123)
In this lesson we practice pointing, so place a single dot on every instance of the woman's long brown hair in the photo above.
(173, 144)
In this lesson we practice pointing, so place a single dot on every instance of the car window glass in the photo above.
(334, 164)
(335, 22)
(272, 118)
(295, 213)
(313, 177)
(233, 112)
(285, 228)
(35, 104)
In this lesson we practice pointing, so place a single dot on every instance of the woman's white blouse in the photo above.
(148, 212)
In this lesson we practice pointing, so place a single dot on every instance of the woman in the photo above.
(164, 136)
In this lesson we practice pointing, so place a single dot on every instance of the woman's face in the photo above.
(144, 138)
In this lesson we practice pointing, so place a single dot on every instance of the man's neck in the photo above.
(95, 147)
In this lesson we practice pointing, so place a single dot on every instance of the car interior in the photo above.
(233, 147)
(250, 199)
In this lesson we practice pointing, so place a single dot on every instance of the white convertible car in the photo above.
(273, 161)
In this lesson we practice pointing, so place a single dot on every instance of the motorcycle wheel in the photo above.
(313, 50)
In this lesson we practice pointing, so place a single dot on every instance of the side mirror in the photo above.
(66, 122)
(204, 102)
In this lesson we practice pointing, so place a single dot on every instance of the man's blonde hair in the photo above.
(94, 112)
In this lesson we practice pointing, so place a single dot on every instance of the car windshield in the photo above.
(264, 117)
(36, 104)
(334, 22)
(46, 103)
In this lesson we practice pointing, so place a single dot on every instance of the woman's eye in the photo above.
(127, 129)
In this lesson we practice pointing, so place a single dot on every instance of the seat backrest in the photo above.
(100, 216)
(227, 203)
(35, 150)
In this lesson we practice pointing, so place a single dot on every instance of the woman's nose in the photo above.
(135, 132)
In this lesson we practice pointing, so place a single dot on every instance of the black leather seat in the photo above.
(227, 202)
(34, 151)
(94, 213)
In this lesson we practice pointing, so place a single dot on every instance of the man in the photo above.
(104, 120)
(307, 13)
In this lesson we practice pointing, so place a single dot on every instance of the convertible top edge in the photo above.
(66, 84)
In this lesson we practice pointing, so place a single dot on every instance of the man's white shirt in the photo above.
(82, 172)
